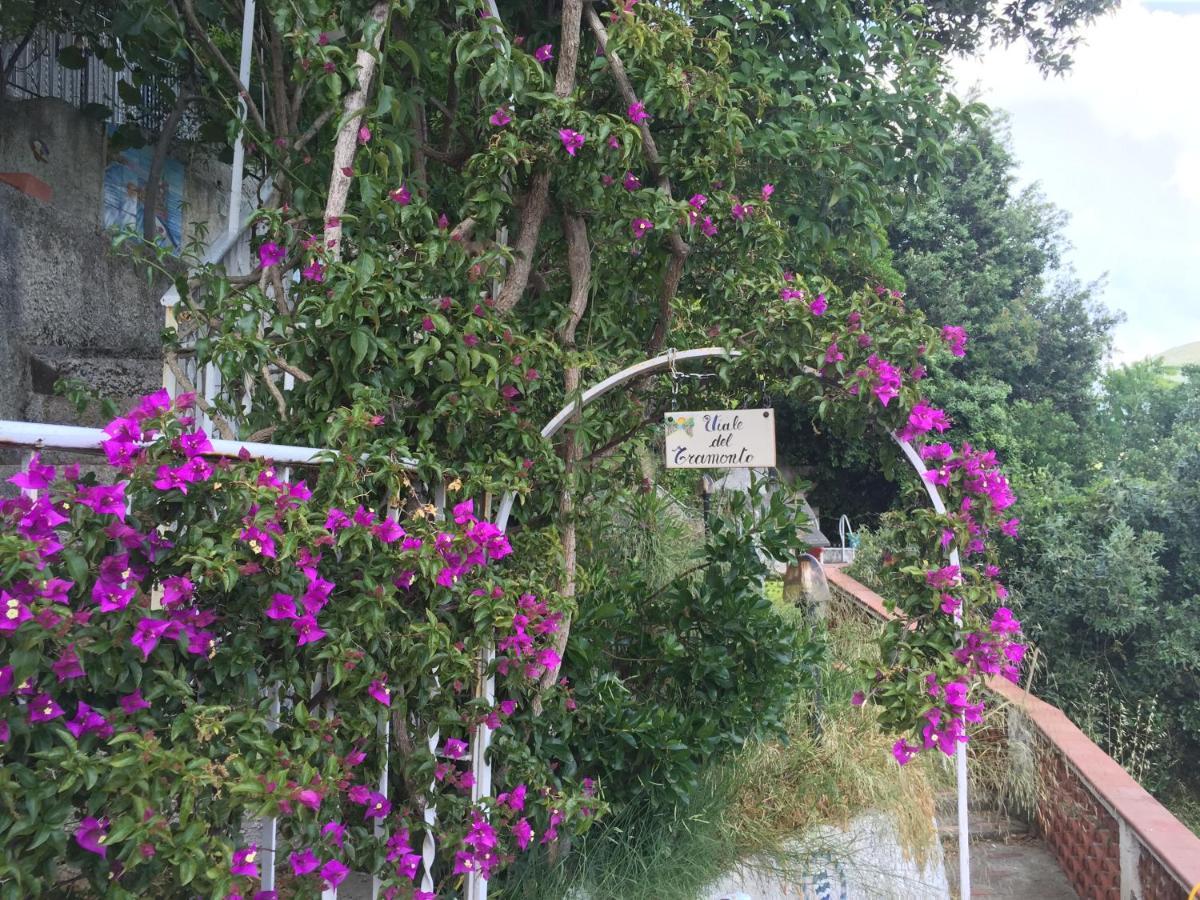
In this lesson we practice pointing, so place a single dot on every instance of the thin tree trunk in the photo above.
(679, 248)
(150, 199)
(579, 265)
(6, 68)
(347, 140)
(537, 198)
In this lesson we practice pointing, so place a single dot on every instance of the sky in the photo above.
(1116, 144)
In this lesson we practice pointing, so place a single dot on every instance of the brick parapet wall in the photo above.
(1113, 840)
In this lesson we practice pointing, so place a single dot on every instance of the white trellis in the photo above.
(62, 437)
(477, 886)
(35, 436)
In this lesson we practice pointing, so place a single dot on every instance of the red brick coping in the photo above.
(1114, 840)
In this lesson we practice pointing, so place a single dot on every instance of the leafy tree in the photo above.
(470, 209)
(981, 254)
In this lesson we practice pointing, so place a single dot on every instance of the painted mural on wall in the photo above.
(124, 190)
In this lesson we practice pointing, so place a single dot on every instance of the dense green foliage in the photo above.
(676, 669)
(1106, 574)
(469, 213)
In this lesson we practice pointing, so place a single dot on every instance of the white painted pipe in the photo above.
(237, 170)
(477, 886)
(73, 437)
(960, 751)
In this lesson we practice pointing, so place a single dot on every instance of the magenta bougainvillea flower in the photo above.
(67, 666)
(454, 748)
(259, 541)
(640, 227)
(388, 531)
(740, 210)
(283, 606)
(303, 862)
(544, 53)
(244, 862)
(945, 577)
(42, 708)
(334, 873)
(91, 834)
(818, 305)
(314, 271)
(922, 419)
(401, 195)
(307, 630)
(767, 191)
(637, 113)
(956, 337)
(571, 140)
(377, 806)
(500, 117)
(631, 182)
(364, 134)
(886, 377)
(379, 690)
(14, 612)
(131, 703)
(903, 751)
(335, 831)
(36, 477)
(271, 254)
(87, 720)
(177, 589)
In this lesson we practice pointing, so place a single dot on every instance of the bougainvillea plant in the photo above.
(191, 641)
(467, 207)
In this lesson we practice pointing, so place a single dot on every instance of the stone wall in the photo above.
(69, 305)
(1113, 840)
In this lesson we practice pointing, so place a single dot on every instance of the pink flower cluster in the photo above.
(520, 645)
(884, 378)
(978, 470)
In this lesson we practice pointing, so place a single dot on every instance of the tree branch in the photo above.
(608, 447)
(7, 69)
(263, 433)
(579, 265)
(223, 426)
(316, 126)
(150, 198)
(280, 402)
(679, 248)
(297, 373)
(280, 106)
(536, 200)
(347, 140)
(189, 12)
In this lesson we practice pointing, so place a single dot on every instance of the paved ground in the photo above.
(1018, 870)
(1007, 863)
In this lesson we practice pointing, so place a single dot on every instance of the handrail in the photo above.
(40, 435)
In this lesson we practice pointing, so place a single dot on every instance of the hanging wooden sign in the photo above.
(720, 439)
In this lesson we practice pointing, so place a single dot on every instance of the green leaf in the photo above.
(71, 57)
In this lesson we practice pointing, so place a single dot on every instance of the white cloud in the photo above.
(1134, 75)
(1187, 174)
(1116, 143)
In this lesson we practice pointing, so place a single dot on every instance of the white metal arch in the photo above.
(481, 766)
